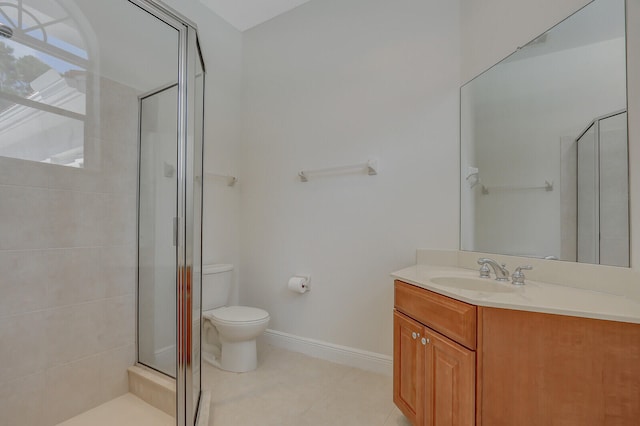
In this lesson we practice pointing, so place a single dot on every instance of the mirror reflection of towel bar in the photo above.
(548, 186)
(231, 180)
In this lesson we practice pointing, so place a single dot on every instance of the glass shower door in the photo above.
(196, 288)
(603, 192)
(170, 223)
(588, 197)
(190, 129)
(157, 253)
(614, 191)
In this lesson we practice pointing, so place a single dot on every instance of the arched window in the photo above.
(43, 72)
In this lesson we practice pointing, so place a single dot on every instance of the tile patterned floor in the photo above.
(123, 411)
(287, 389)
(291, 389)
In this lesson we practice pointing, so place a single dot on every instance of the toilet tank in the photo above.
(216, 285)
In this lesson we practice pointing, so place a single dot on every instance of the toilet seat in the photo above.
(236, 315)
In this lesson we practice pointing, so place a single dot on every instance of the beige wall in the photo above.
(493, 29)
(337, 82)
(68, 256)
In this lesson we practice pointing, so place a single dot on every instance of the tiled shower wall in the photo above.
(68, 269)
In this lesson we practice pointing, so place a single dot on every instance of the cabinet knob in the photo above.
(425, 341)
(415, 335)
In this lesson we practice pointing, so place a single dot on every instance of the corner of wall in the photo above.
(633, 105)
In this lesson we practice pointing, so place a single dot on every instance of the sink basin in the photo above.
(475, 284)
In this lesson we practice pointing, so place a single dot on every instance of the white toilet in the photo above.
(229, 332)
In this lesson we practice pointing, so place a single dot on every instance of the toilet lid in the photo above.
(238, 314)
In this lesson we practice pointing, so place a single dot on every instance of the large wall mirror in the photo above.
(544, 149)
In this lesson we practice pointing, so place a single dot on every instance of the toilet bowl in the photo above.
(229, 332)
(237, 327)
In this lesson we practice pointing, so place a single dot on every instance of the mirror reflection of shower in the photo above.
(603, 192)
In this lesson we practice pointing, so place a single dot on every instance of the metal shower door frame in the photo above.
(186, 409)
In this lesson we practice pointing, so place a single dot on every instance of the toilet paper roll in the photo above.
(298, 284)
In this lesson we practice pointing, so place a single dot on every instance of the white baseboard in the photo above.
(345, 355)
(205, 408)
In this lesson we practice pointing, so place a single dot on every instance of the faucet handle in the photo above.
(485, 271)
(518, 276)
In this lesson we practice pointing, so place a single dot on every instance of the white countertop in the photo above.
(534, 296)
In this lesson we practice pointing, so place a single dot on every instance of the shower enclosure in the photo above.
(169, 219)
(169, 232)
(603, 192)
(101, 116)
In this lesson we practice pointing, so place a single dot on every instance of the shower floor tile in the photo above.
(126, 410)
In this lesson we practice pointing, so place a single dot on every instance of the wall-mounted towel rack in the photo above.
(548, 186)
(371, 167)
(231, 180)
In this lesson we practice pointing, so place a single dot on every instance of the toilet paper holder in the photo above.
(300, 283)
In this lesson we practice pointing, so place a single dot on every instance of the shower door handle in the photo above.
(175, 232)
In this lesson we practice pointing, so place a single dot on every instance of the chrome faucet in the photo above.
(502, 274)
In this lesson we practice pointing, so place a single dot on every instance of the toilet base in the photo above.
(239, 357)
(211, 359)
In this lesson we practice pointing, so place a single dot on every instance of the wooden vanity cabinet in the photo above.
(501, 367)
(544, 369)
(434, 376)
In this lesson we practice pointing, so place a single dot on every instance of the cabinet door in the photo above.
(545, 369)
(408, 368)
(450, 382)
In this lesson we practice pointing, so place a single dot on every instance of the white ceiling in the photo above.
(245, 14)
